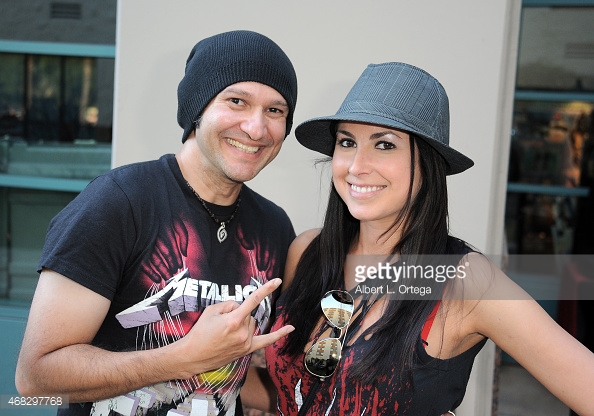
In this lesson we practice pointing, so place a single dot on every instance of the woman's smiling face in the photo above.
(371, 170)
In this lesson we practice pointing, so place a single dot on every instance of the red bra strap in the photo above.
(429, 323)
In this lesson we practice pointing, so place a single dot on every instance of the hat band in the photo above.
(388, 116)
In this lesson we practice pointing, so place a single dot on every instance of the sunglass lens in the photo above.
(323, 357)
(338, 307)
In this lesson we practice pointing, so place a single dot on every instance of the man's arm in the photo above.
(56, 356)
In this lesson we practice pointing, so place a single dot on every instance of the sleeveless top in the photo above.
(439, 385)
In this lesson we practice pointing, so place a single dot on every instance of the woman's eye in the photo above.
(385, 145)
(345, 143)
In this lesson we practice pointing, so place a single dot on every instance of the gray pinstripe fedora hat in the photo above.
(397, 95)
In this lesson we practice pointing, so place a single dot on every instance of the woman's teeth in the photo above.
(365, 189)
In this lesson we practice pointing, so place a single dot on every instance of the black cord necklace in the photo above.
(221, 232)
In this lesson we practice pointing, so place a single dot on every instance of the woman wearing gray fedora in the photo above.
(370, 338)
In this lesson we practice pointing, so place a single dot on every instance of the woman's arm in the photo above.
(518, 325)
(258, 391)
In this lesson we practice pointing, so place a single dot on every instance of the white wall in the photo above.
(468, 45)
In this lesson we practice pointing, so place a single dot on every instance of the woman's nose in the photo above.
(360, 162)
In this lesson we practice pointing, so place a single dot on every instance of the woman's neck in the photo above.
(374, 239)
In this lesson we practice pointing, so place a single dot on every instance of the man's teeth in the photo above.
(240, 146)
(365, 189)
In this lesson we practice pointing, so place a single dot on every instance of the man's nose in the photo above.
(255, 125)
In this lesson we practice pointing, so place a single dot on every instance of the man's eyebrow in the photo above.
(237, 91)
(280, 103)
(243, 93)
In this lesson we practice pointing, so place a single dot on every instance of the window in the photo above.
(553, 131)
(48, 99)
(55, 136)
(556, 50)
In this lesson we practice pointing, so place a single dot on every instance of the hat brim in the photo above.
(316, 134)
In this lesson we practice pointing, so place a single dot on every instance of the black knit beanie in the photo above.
(228, 58)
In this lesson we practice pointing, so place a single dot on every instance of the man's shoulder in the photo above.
(139, 175)
(148, 167)
(259, 202)
(265, 214)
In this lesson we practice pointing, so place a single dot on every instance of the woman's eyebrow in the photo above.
(346, 133)
(374, 136)
(381, 134)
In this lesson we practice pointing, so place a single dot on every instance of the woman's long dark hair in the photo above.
(424, 225)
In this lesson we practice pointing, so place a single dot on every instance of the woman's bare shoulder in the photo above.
(303, 240)
(298, 246)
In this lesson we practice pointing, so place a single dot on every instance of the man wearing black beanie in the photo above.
(156, 281)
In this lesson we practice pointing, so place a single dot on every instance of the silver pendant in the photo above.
(222, 233)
